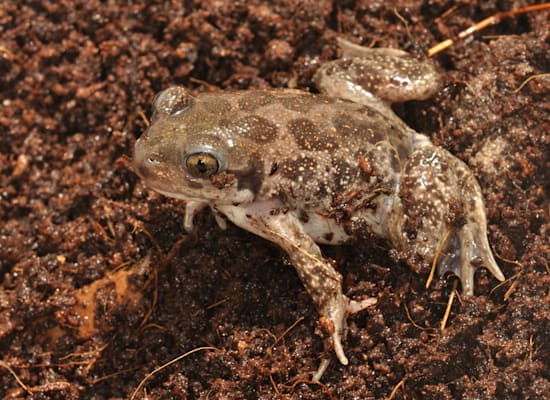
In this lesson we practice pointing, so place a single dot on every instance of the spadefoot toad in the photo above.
(299, 169)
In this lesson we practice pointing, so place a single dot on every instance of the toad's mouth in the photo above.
(199, 192)
(177, 195)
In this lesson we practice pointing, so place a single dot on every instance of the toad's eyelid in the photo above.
(172, 101)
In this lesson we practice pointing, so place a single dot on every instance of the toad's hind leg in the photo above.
(443, 216)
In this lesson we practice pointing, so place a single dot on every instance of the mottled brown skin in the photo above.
(283, 163)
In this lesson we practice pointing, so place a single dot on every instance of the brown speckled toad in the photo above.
(299, 169)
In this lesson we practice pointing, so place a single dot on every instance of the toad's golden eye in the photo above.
(202, 165)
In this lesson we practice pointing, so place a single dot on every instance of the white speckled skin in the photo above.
(297, 168)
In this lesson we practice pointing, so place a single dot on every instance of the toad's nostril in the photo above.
(143, 169)
(144, 160)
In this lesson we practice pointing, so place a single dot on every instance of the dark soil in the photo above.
(100, 285)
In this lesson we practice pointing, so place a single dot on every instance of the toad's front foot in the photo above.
(334, 320)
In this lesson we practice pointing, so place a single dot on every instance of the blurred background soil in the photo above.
(99, 285)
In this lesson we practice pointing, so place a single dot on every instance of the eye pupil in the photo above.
(202, 165)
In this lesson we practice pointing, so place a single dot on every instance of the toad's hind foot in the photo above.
(466, 250)
(441, 216)
(466, 247)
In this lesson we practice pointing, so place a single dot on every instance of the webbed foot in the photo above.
(467, 249)
(442, 216)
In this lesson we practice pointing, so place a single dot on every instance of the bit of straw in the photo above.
(532, 77)
(438, 252)
(396, 388)
(449, 305)
(492, 20)
(19, 381)
(175, 360)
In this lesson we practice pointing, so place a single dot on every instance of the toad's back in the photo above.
(315, 152)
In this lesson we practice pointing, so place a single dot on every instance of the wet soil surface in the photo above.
(100, 285)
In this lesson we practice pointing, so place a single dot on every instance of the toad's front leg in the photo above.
(322, 281)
